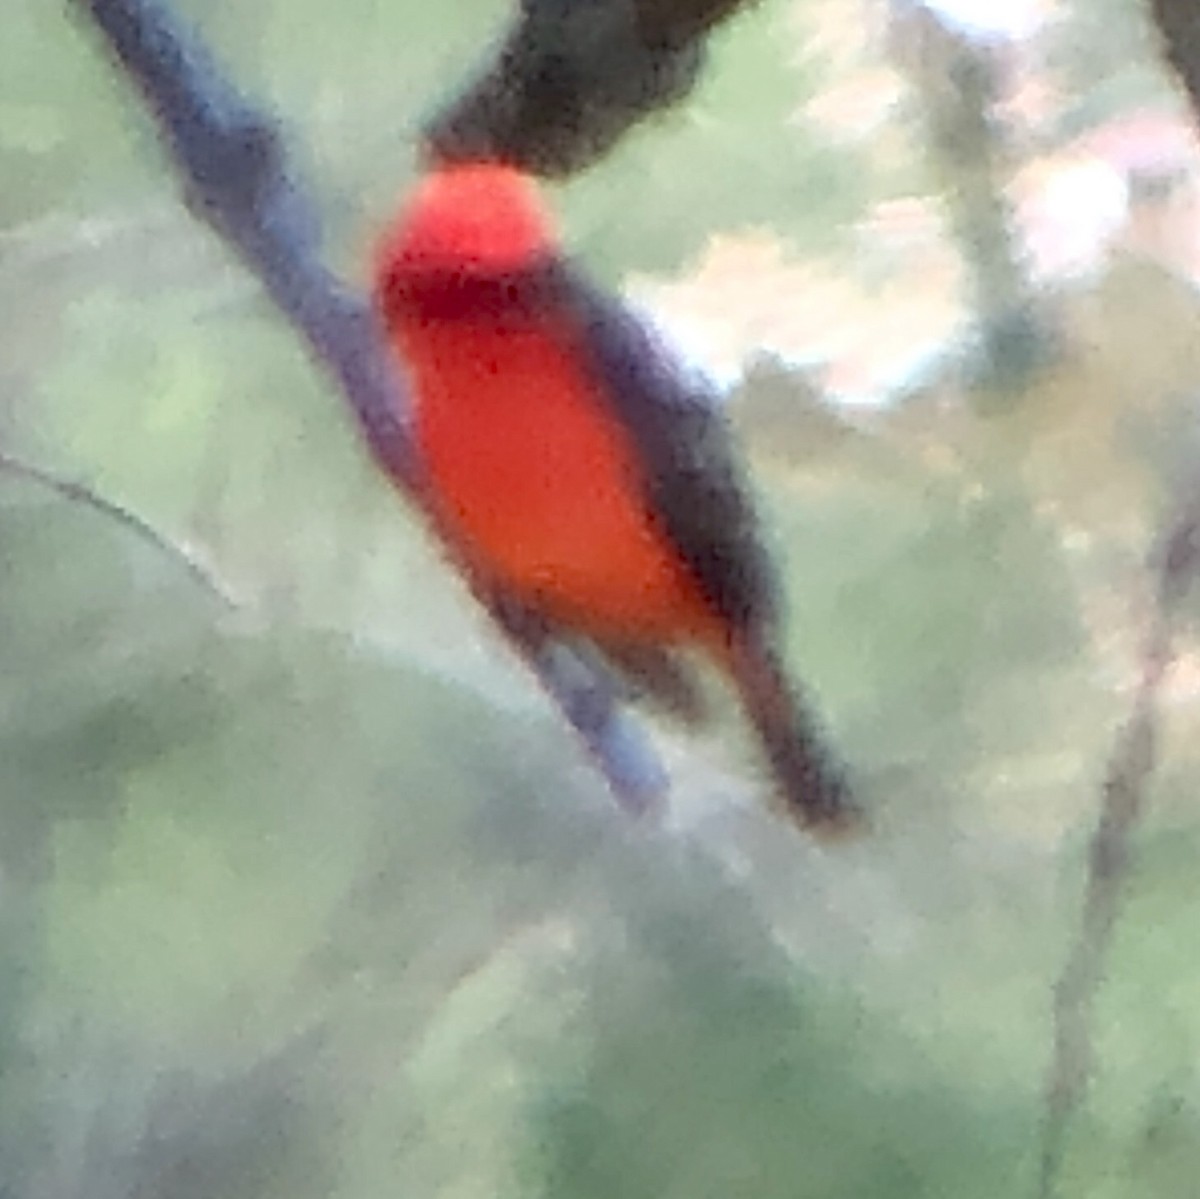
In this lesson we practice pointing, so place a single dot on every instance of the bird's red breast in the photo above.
(533, 473)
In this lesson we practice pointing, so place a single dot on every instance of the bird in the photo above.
(585, 472)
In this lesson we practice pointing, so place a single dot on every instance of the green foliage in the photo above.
(734, 157)
(709, 1065)
(209, 836)
(316, 898)
(906, 612)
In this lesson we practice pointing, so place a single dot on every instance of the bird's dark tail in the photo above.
(809, 772)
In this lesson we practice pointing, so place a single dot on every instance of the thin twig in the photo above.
(231, 159)
(79, 493)
(1123, 801)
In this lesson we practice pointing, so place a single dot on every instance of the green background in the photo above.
(317, 897)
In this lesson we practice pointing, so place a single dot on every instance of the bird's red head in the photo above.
(471, 219)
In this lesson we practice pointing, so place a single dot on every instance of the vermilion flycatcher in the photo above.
(586, 475)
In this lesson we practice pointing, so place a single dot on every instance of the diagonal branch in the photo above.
(231, 159)
(570, 79)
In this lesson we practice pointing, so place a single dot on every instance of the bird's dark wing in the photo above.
(694, 487)
(692, 476)
(692, 480)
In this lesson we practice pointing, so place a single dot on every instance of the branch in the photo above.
(1133, 757)
(1131, 766)
(571, 78)
(1180, 32)
(231, 159)
(78, 493)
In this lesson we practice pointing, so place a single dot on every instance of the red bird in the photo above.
(586, 475)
